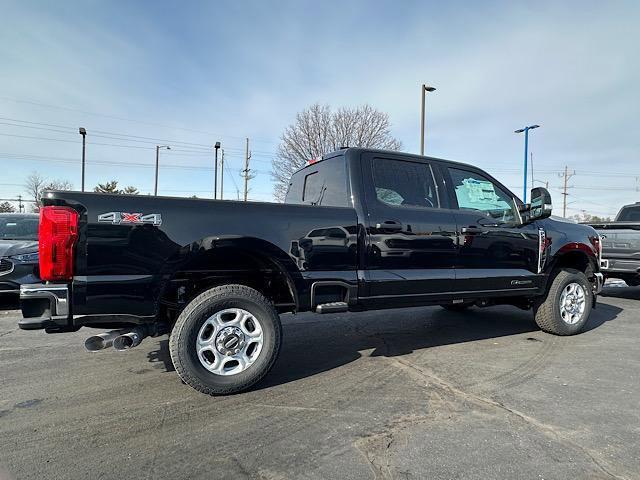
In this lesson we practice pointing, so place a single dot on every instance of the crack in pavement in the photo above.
(7, 333)
(548, 430)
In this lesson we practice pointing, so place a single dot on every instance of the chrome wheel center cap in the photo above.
(230, 341)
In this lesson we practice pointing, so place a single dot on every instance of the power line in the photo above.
(115, 117)
(42, 158)
(200, 147)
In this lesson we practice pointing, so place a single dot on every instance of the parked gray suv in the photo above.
(18, 252)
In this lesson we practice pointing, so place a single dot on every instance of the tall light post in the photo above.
(526, 153)
(215, 172)
(82, 131)
(158, 147)
(423, 91)
(222, 175)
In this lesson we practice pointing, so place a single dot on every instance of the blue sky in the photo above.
(199, 72)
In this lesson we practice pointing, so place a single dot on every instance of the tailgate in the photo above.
(620, 240)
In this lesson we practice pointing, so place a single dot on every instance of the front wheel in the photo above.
(567, 305)
(225, 340)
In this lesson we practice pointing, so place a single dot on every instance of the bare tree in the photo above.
(58, 185)
(318, 130)
(36, 184)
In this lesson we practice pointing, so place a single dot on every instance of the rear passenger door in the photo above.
(495, 251)
(410, 250)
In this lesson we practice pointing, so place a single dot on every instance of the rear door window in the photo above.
(402, 183)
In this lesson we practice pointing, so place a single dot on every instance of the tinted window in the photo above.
(312, 188)
(406, 184)
(16, 227)
(475, 192)
(324, 183)
(629, 214)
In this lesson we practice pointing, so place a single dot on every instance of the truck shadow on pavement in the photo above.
(630, 293)
(314, 344)
(324, 346)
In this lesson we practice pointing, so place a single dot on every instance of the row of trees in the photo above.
(35, 184)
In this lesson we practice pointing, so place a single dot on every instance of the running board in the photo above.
(333, 307)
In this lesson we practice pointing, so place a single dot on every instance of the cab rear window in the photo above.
(324, 183)
(629, 214)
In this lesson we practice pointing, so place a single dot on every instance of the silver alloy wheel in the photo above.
(572, 303)
(229, 341)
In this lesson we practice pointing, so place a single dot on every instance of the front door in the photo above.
(411, 249)
(495, 251)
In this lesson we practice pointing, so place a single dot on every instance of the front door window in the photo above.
(477, 193)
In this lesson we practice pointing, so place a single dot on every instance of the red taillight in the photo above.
(57, 236)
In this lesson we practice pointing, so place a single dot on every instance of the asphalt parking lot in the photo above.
(414, 393)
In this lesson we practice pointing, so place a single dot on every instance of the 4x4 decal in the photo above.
(118, 218)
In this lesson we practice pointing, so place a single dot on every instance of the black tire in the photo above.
(185, 332)
(547, 311)
(457, 307)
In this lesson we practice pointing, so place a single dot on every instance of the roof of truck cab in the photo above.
(360, 150)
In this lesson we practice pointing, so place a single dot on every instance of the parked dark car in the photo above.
(621, 245)
(18, 252)
(360, 229)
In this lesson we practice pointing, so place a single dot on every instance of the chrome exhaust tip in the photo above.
(129, 340)
(101, 341)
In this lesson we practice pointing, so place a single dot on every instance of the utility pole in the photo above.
(82, 131)
(20, 206)
(246, 170)
(158, 147)
(215, 172)
(423, 92)
(222, 175)
(566, 176)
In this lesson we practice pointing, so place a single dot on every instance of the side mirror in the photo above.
(540, 204)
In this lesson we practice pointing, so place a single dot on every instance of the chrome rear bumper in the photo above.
(44, 306)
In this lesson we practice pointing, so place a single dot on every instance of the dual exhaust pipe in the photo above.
(120, 339)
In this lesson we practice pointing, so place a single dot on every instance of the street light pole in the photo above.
(423, 91)
(158, 147)
(82, 131)
(222, 175)
(526, 154)
(215, 172)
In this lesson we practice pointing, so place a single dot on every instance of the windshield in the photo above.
(17, 227)
(629, 214)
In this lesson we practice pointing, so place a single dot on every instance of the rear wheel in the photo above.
(225, 340)
(567, 305)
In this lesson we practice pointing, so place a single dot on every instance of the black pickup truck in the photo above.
(621, 245)
(360, 229)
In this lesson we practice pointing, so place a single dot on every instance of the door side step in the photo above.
(332, 307)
